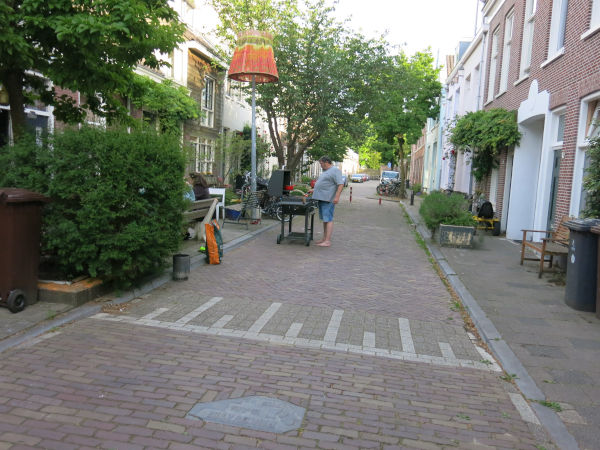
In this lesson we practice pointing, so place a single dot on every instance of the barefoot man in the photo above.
(327, 191)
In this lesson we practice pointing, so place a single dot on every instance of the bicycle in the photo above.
(390, 188)
(272, 208)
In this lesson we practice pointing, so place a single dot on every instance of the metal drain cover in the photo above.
(256, 413)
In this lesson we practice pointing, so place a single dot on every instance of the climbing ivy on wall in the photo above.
(485, 134)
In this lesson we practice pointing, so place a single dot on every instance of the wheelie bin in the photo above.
(596, 230)
(582, 263)
(20, 226)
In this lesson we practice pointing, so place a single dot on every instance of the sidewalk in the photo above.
(43, 316)
(553, 350)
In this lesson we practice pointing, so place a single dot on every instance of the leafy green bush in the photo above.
(416, 187)
(485, 133)
(117, 199)
(439, 208)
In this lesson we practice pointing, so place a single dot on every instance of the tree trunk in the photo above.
(13, 82)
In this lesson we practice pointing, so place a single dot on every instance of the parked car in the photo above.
(389, 175)
(357, 178)
(365, 177)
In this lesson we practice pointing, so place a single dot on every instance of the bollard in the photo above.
(380, 200)
(181, 267)
(350, 194)
(412, 198)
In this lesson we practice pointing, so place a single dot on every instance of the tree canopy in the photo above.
(85, 46)
(324, 76)
(405, 95)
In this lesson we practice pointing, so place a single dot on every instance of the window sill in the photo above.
(553, 58)
(593, 30)
(520, 80)
(500, 94)
(488, 102)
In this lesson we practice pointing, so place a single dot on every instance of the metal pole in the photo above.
(253, 136)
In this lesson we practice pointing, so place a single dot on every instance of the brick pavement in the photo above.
(106, 383)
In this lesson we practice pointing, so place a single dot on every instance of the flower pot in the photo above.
(456, 236)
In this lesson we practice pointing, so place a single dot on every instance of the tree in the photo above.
(406, 94)
(324, 73)
(81, 45)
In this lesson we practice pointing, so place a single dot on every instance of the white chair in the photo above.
(221, 205)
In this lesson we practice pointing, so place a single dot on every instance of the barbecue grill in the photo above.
(297, 206)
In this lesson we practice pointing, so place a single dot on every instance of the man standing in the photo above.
(327, 191)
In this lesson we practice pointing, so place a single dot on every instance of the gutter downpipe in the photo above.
(438, 178)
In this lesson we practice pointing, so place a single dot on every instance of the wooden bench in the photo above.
(555, 243)
(200, 209)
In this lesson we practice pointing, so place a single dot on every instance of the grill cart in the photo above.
(297, 206)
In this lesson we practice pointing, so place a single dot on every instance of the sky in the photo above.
(414, 24)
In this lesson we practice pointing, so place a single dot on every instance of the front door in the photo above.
(554, 187)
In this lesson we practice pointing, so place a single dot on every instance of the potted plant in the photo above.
(449, 213)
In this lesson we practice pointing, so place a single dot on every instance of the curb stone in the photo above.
(508, 360)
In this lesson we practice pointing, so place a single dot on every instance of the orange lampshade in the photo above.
(254, 56)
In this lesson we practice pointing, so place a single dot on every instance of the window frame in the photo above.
(558, 28)
(509, 25)
(527, 42)
(207, 102)
(493, 65)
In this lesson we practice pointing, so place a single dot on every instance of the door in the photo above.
(554, 187)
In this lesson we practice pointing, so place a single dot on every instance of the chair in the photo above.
(555, 243)
(221, 205)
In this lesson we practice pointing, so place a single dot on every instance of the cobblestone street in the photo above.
(364, 335)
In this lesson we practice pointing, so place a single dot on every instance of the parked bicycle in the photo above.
(389, 188)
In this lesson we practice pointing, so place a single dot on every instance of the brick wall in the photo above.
(567, 78)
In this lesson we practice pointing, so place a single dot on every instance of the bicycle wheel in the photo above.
(279, 214)
(381, 189)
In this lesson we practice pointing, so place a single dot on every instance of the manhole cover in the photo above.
(256, 413)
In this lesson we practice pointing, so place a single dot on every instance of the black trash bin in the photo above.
(20, 225)
(596, 230)
(582, 263)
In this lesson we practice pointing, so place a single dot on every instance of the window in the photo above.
(595, 19)
(557, 27)
(208, 110)
(508, 33)
(234, 90)
(493, 65)
(528, 28)
(204, 155)
(589, 127)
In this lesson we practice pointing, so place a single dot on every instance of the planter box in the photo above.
(456, 236)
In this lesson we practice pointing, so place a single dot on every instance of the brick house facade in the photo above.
(542, 61)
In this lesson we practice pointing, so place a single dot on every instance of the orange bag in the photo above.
(214, 243)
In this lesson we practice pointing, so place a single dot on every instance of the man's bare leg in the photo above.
(320, 241)
(327, 232)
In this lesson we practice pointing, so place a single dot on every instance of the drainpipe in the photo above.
(439, 141)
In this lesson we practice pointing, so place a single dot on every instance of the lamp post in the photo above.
(253, 61)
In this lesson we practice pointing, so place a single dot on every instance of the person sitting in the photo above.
(201, 190)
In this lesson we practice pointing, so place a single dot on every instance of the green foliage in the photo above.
(416, 187)
(85, 46)
(439, 208)
(117, 199)
(591, 182)
(485, 133)
(324, 72)
(170, 104)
